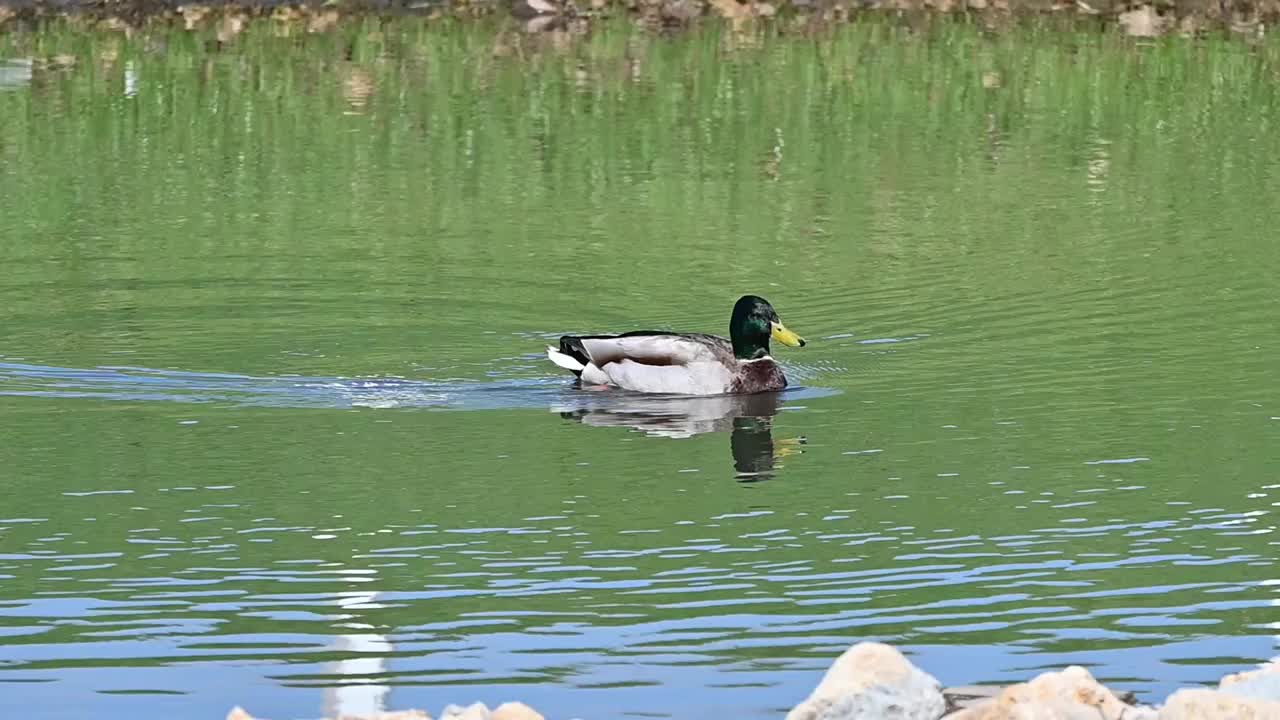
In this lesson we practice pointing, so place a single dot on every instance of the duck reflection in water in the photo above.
(747, 418)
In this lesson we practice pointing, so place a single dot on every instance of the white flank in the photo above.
(593, 375)
(699, 378)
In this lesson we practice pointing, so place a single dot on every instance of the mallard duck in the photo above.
(685, 363)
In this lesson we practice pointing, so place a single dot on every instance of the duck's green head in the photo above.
(753, 323)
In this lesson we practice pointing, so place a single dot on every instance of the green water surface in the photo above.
(276, 428)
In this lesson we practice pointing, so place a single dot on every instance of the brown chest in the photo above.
(759, 376)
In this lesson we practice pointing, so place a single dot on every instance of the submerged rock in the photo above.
(872, 681)
(1071, 694)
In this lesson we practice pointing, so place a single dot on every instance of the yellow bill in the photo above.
(785, 336)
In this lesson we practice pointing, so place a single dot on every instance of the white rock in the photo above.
(475, 711)
(1071, 694)
(872, 681)
(515, 711)
(1264, 669)
(993, 710)
(1262, 683)
(1143, 22)
(1263, 687)
(1207, 704)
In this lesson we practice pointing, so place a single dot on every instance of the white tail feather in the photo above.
(564, 361)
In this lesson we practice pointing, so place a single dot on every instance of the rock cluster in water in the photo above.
(872, 681)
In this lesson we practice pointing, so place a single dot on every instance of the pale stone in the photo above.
(1049, 710)
(542, 7)
(1072, 694)
(1217, 705)
(965, 696)
(872, 681)
(996, 710)
(1271, 668)
(515, 711)
(1142, 22)
(395, 715)
(1264, 687)
(731, 9)
(1076, 685)
(238, 713)
(475, 711)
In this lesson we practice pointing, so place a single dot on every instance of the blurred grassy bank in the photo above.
(1186, 18)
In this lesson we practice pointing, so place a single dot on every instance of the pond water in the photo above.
(276, 427)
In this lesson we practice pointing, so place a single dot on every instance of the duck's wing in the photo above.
(647, 348)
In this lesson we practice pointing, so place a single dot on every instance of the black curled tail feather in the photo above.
(572, 346)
